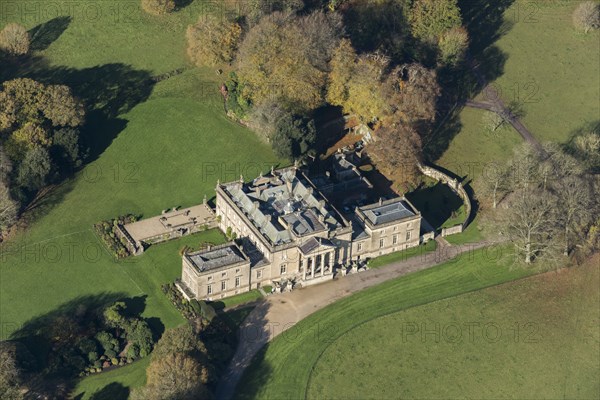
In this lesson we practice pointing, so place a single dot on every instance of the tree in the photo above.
(212, 40)
(452, 46)
(35, 169)
(254, 10)
(158, 7)
(140, 335)
(176, 376)
(263, 118)
(342, 65)
(530, 221)
(494, 182)
(587, 16)
(578, 208)
(8, 208)
(411, 90)
(294, 137)
(551, 203)
(14, 39)
(492, 121)
(355, 83)
(276, 60)
(586, 148)
(397, 150)
(431, 18)
(65, 147)
(114, 315)
(181, 339)
(24, 100)
(365, 98)
(10, 380)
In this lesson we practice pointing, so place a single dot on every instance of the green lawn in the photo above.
(470, 235)
(115, 384)
(283, 368)
(403, 254)
(536, 338)
(160, 149)
(550, 68)
(474, 150)
(241, 298)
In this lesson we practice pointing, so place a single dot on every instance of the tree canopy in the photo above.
(431, 18)
(212, 41)
(286, 59)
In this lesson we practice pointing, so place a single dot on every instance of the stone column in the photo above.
(312, 267)
(322, 264)
(304, 262)
(331, 261)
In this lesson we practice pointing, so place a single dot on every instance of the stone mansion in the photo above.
(288, 232)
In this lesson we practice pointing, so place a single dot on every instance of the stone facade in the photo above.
(288, 230)
(217, 272)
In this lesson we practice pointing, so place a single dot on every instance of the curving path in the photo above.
(495, 104)
(278, 313)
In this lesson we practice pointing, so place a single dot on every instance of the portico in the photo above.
(318, 256)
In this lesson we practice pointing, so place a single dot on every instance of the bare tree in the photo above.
(494, 182)
(587, 16)
(530, 220)
(524, 168)
(577, 208)
(397, 150)
(14, 39)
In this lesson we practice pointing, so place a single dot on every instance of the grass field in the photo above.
(536, 338)
(155, 148)
(283, 368)
(545, 66)
(550, 69)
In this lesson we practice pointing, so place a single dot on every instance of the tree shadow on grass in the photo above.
(486, 23)
(43, 35)
(108, 91)
(437, 203)
(248, 336)
(438, 140)
(181, 4)
(53, 338)
(112, 391)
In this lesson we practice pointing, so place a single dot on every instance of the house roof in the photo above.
(282, 206)
(314, 243)
(207, 260)
(387, 212)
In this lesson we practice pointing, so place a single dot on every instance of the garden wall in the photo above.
(457, 188)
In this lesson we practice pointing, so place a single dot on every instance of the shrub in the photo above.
(158, 7)
(133, 351)
(587, 16)
(110, 354)
(92, 356)
(207, 311)
(14, 39)
(97, 364)
(114, 361)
